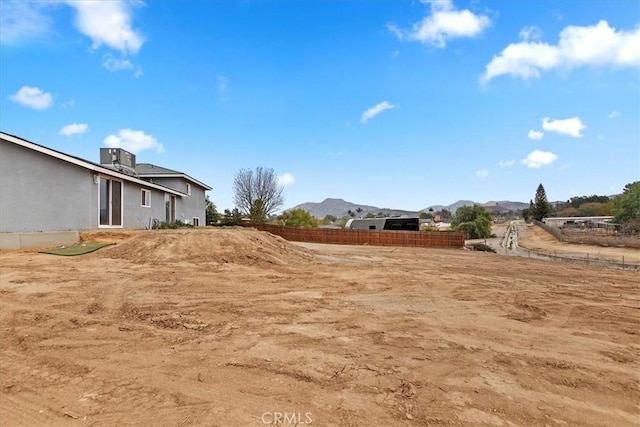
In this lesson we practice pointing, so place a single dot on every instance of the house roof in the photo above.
(85, 163)
(149, 170)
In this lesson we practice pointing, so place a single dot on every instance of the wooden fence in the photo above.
(438, 239)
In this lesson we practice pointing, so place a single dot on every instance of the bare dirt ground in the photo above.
(240, 328)
(537, 239)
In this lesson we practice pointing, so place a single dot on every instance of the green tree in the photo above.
(626, 206)
(541, 206)
(298, 218)
(474, 221)
(232, 217)
(426, 215)
(359, 210)
(329, 219)
(257, 212)
(369, 215)
(212, 214)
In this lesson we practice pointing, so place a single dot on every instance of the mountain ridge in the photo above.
(340, 207)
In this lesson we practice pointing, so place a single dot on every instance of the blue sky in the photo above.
(401, 104)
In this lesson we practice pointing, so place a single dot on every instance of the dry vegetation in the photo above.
(218, 327)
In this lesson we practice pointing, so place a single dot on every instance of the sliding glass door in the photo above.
(110, 202)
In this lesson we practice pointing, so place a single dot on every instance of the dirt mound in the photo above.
(229, 245)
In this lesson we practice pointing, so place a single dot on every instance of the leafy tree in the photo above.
(359, 210)
(351, 213)
(595, 209)
(626, 206)
(369, 215)
(445, 214)
(541, 207)
(329, 219)
(576, 202)
(426, 215)
(212, 214)
(232, 217)
(257, 212)
(298, 218)
(257, 192)
(526, 214)
(474, 221)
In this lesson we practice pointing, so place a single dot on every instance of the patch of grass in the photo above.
(79, 249)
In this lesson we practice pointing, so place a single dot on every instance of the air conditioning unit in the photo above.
(118, 158)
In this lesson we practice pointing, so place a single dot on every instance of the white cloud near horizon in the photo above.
(33, 97)
(596, 45)
(482, 173)
(443, 23)
(375, 110)
(535, 135)
(286, 179)
(74, 129)
(614, 114)
(572, 126)
(506, 163)
(133, 141)
(537, 159)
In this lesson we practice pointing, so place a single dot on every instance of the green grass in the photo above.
(78, 249)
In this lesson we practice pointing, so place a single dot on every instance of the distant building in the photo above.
(576, 221)
(406, 224)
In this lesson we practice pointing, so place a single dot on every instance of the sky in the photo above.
(392, 103)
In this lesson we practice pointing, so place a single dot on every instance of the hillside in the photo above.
(340, 207)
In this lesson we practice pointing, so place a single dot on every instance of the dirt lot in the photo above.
(240, 328)
(537, 239)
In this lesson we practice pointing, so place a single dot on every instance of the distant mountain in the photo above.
(500, 206)
(339, 207)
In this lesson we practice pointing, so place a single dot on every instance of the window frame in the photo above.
(144, 191)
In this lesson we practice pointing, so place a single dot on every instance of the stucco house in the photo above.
(43, 190)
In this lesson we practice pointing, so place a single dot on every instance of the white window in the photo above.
(188, 189)
(145, 201)
(196, 222)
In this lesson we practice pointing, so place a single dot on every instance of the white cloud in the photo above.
(69, 104)
(530, 33)
(482, 173)
(33, 97)
(535, 135)
(596, 45)
(108, 23)
(286, 179)
(114, 64)
(74, 129)
(506, 163)
(614, 114)
(537, 159)
(375, 110)
(445, 22)
(21, 20)
(133, 141)
(572, 127)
